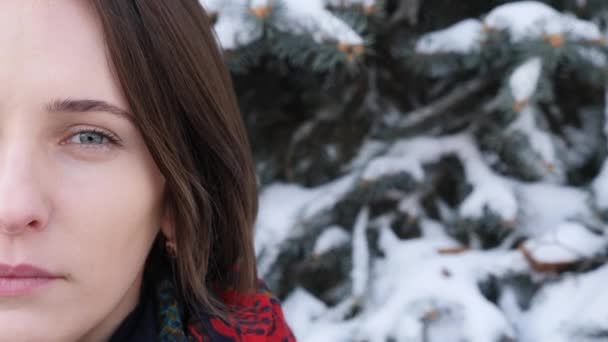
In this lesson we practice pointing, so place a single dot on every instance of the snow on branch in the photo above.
(599, 186)
(523, 20)
(539, 139)
(565, 246)
(490, 190)
(422, 292)
(286, 207)
(572, 309)
(331, 238)
(462, 37)
(302, 309)
(545, 206)
(311, 16)
(534, 19)
(524, 79)
(232, 26)
(235, 25)
(368, 6)
(360, 271)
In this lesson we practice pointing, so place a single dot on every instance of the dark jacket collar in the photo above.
(141, 324)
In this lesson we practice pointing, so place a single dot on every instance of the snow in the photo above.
(396, 306)
(408, 155)
(563, 309)
(235, 28)
(280, 205)
(599, 186)
(367, 151)
(416, 292)
(411, 205)
(231, 28)
(530, 19)
(524, 79)
(301, 309)
(581, 29)
(359, 273)
(286, 201)
(543, 206)
(435, 231)
(311, 16)
(567, 243)
(383, 166)
(397, 303)
(522, 20)
(594, 56)
(283, 207)
(231, 34)
(606, 111)
(462, 37)
(364, 3)
(329, 332)
(331, 238)
(539, 139)
(212, 5)
(326, 196)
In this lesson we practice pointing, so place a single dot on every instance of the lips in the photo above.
(25, 271)
(25, 280)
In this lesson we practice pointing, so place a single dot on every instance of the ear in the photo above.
(167, 222)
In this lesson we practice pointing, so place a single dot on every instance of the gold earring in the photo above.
(170, 248)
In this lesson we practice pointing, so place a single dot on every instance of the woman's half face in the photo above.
(80, 195)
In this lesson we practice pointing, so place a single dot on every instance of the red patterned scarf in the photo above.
(255, 318)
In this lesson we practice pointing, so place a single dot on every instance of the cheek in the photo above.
(105, 218)
(111, 210)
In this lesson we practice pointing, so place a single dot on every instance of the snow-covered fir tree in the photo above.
(429, 170)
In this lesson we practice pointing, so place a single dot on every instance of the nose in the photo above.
(22, 204)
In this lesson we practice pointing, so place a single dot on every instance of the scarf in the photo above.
(162, 316)
(254, 318)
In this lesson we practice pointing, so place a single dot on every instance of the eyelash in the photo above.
(113, 139)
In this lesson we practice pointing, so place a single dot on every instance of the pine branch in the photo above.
(429, 112)
(407, 11)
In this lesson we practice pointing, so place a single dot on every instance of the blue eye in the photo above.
(93, 137)
(88, 137)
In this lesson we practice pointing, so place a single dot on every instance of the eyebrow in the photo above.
(87, 105)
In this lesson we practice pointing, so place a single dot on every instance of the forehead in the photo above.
(54, 45)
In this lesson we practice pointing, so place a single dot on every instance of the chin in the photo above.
(24, 327)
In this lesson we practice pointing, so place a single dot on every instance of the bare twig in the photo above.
(428, 112)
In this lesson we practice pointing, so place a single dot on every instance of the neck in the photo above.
(104, 330)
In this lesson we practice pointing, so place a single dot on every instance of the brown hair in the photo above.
(169, 65)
